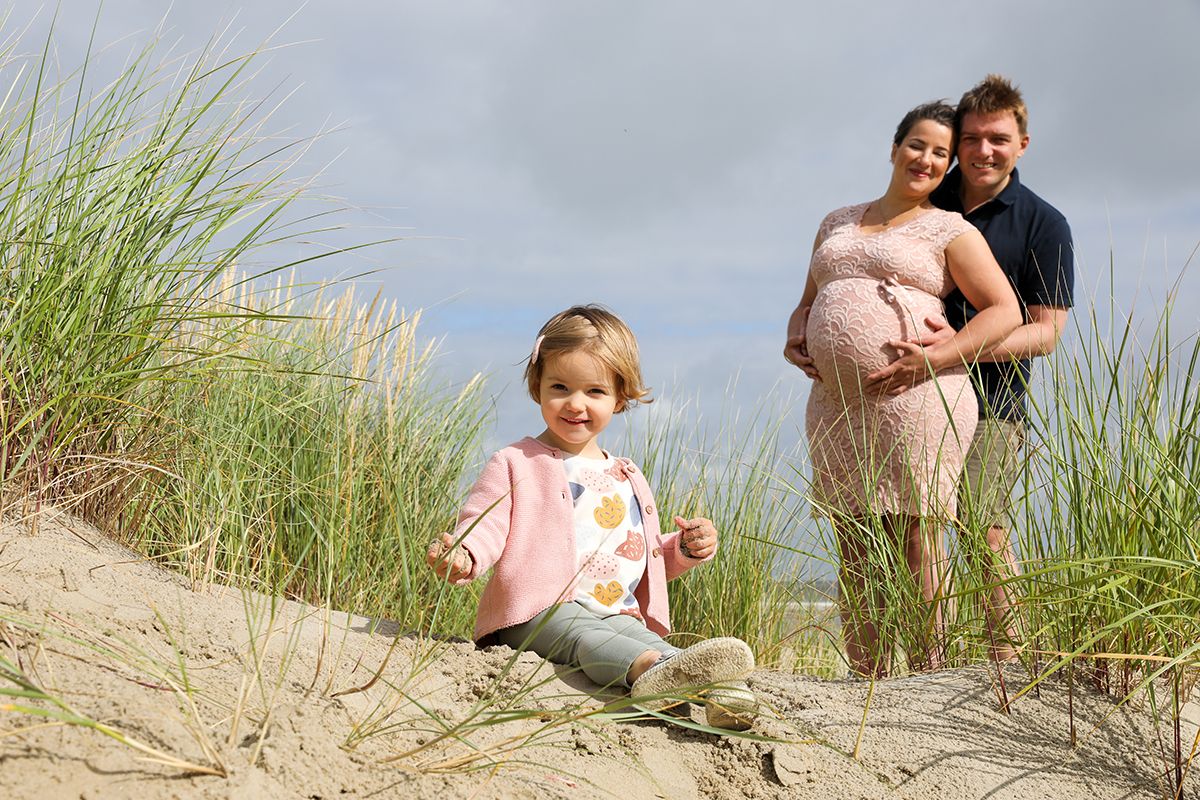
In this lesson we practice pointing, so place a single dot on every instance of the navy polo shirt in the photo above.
(1032, 243)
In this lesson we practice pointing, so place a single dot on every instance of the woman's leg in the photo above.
(926, 557)
(861, 607)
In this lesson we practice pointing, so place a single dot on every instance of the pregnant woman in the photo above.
(889, 421)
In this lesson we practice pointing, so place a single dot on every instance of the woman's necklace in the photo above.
(887, 221)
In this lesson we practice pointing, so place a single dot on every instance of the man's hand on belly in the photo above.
(906, 371)
(912, 367)
(939, 331)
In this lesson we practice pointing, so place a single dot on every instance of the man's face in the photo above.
(988, 148)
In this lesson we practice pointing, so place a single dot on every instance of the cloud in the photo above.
(673, 159)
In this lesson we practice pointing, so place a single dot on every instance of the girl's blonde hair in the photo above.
(600, 333)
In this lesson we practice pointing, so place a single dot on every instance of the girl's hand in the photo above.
(697, 537)
(451, 562)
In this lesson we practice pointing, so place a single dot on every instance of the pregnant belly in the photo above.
(852, 321)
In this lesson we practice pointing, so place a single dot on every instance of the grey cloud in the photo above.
(674, 158)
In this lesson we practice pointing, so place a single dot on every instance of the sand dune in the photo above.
(287, 700)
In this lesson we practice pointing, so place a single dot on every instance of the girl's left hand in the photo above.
(697, 537)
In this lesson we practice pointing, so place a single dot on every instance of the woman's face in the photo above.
(921, 159)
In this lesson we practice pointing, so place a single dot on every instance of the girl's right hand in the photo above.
(450, 562)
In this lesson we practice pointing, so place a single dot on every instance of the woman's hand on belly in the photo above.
(795, 350)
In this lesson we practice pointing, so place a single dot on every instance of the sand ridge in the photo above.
(293, 701)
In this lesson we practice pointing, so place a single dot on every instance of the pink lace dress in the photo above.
(875, 453)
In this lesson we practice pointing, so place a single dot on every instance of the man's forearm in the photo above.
(1030, 340)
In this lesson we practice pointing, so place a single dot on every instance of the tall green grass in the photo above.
(283, 436)
(1107, 513)
(119, 207)
(728, 474)
(1107, 529)
(1113, 523)
(315, 457)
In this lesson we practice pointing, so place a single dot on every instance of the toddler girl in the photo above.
(572, 536)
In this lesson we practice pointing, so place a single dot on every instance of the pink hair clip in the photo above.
(537, 348)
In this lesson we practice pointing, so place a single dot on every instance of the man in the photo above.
(1032, 242)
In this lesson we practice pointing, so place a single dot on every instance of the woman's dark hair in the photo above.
(938, 111)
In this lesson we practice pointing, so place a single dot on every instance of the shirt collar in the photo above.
(1008, 195)
(951, 198)
(537, 444)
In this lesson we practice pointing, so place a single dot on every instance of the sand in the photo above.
(290, 701)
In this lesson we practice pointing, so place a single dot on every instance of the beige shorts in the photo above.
(992, 469)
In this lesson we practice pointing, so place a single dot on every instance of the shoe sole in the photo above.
(721, 660)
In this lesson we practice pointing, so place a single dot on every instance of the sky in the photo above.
(672, 160)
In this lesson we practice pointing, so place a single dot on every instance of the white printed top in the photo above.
(610, 542)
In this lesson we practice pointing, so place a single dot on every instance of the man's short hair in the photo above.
(995, 94)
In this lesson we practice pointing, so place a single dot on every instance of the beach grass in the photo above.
(320, 462)
(247, 427)
(1106, 528)
(725, 470)
(118, 211)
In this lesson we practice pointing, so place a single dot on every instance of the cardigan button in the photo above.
(649, 509)
(630, 468)
(657, 552)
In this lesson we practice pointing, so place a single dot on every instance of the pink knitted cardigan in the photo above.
(521, 509)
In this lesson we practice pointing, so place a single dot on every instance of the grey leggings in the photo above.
(603, 647)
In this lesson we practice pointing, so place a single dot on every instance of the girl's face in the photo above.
(578, 400)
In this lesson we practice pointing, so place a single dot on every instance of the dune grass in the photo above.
(243, 430)
(118, 210)
(1107, 512)
(726, 470)
(1112, 520)
(1119, 499)
(320, 461)
(248, 428)
(1107, 531)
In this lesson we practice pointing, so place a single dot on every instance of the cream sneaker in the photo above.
(714, 661)
(731, 708)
